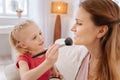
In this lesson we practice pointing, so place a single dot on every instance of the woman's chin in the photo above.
(77, 43)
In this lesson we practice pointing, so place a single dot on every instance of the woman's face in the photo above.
(85, 31)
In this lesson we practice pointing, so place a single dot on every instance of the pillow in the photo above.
(69, 60)
(11, 72)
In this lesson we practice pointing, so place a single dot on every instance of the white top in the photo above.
(70, 59)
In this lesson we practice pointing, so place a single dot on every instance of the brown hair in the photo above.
(14, 40)
(107, 12)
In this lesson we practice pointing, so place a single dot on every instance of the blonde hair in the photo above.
(14, 41)
(107, 12)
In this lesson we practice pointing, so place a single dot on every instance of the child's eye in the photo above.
(40, 33)
(34, 37)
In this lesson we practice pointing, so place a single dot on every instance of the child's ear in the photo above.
(22, 45)
(102, 31)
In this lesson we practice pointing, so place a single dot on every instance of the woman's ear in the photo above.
(102, 31)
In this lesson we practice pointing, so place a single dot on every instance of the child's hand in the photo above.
(52, 54)
(55, 73)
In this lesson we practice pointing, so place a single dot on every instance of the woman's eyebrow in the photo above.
(78, 20)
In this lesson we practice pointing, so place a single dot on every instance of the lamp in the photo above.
(58, 8)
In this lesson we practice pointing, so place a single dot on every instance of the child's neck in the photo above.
(36, 52)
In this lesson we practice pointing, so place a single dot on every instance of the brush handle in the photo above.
(68, 42)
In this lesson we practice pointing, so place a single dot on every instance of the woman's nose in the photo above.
(73, 28)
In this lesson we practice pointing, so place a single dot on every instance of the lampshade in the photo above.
(59, 7)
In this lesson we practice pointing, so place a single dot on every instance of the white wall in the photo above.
(4, 47)
(75, 6)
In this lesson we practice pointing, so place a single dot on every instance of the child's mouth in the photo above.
(41, 43)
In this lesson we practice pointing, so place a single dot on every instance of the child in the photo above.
(28, 40)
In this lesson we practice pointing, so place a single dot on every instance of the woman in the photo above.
(98, 28)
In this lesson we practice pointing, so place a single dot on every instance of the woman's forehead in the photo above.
(82, 14)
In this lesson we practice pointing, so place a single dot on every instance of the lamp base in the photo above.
(57, 29)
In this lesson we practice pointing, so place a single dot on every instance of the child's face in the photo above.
(32, 39)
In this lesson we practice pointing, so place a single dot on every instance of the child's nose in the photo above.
(39, 38)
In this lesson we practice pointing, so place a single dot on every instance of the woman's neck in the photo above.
(95, 51)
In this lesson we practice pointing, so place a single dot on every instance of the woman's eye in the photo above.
(79, 23)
